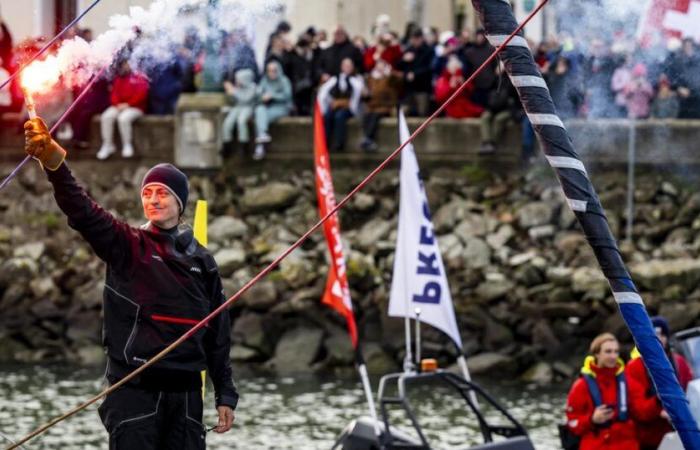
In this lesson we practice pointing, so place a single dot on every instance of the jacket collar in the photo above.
(590, 368)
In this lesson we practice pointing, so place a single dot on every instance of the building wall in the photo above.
(356, 15)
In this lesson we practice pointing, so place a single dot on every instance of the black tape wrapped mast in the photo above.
(498, 20)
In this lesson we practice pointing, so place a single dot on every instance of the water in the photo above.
(274, 413)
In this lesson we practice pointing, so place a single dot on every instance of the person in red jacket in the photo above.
(595, 410)
(450, 80)
(129, 99)
(651, 429)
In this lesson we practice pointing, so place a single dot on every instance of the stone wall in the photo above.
(526, 287)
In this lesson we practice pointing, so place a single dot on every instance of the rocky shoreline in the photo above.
(526, 287)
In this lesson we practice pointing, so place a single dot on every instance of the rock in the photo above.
(91, 355)
(491, 364)
(477, 253)
(378, 361)
(229, 260)
(563, 369)
(540, 373)
(372, 232)
(271, 197)
(656, 275)
(450, 214)
(521, 258)
(473, 225)
(544, 338)
(493, 290)
(225, 228)
(541, 232)
(297, 270)
(296, 350)
(261, 296)
(589, 279)
(44, 288)
(84, 327)
(497, 336)
(32, 250)
(339, 347)
(559, 275)
(501, 237)
(89, 295)
(249, 329)
(243, 353)
(679, 315)
(534, 214)
(363, 202)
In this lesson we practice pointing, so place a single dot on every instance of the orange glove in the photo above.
(39, 145)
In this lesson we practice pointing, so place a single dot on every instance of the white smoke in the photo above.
(161, 26)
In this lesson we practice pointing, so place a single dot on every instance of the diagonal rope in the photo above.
(286, 253)
(55, 126)
(48, 44)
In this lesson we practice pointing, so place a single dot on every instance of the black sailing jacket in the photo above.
(158, 285)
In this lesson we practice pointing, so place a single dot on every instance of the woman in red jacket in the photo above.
(129, 99)
(598, 408)
(652, 428)
(450, 80)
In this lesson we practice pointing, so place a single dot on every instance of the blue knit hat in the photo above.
(662, 323)
(172, 179)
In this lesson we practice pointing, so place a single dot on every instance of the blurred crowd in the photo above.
(607, 77)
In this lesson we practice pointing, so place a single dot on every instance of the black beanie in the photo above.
(171, 178)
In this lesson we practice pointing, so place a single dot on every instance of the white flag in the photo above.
(419, 279)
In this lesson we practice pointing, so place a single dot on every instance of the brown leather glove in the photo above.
(39, 145)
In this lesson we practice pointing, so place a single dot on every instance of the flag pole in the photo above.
(462, 363)
(367, 387)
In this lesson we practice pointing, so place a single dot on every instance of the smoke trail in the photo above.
(151, 34)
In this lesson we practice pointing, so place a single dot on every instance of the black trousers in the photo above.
(137, 418)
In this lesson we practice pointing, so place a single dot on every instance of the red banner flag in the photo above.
(337, 294)
(666, 18)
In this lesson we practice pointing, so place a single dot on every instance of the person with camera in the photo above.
(601, 402)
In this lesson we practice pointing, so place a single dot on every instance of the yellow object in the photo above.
(428, 365)
(200, 233)
(634, 354)
(590, 360)
(200, 223)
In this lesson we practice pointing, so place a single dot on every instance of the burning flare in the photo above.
(38, 78)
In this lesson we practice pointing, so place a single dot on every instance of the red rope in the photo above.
(286, 253)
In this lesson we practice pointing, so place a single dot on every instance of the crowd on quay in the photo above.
(352, 77)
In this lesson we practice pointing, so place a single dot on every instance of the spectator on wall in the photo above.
(416, 64)
(503, 108)
(237, 54)
(638, 93)
(451, 79)
(332, 57)
(301, 68)
(563, 86)
(94, 102)
(274, 95)
(383, 91)
(474, 57)
(129, 99)
(242, 95)
(339, 98)
(5, 46)
(689, 81)
(165, 87)
(385, 49)
(666, 104)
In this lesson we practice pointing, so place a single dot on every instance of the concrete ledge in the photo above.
(445, 141)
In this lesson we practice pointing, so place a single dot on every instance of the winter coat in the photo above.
(462, 106)
(638, 94)
(421, 66)
(391, 54)
(474, 57)
(131, 89)
(652, 428)
(245, 94)
(165, 88)
(567, 96)
(579, 410)
(384, 94)
(665, 107)
(158, 285)
(331, 58)
(333, 89)
(279, 89)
